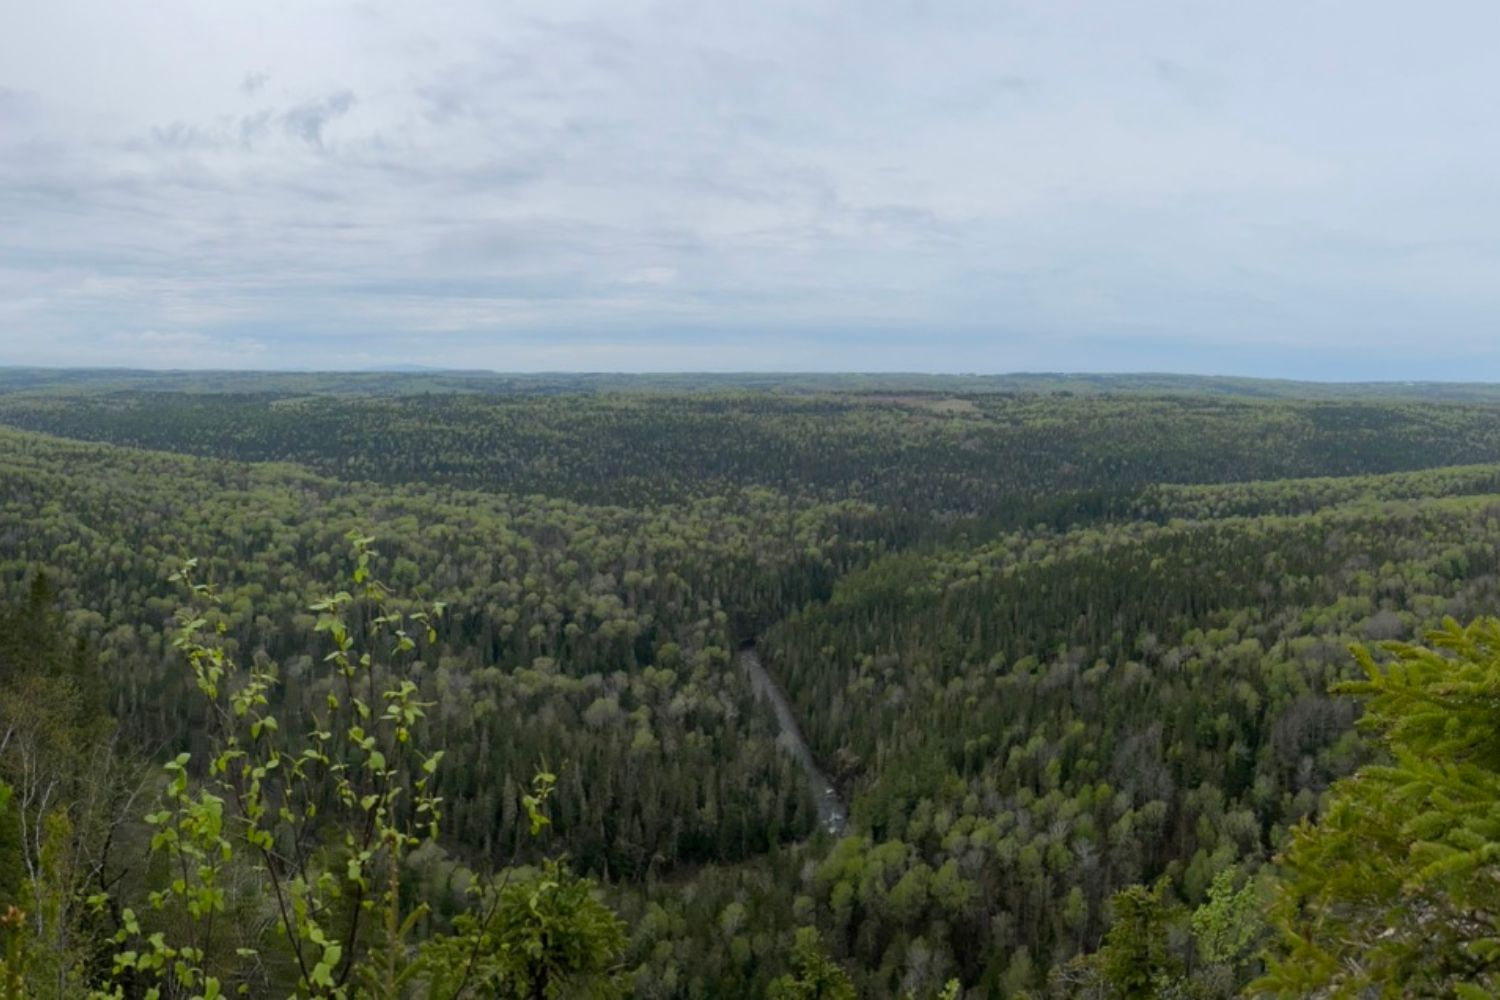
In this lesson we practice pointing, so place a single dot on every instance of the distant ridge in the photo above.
(422, 370)
(410, 379)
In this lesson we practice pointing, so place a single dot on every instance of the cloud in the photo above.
(254, 83)
(979, 185)
(651, 276)
(183, 349)
(160, 349)
(307, 120)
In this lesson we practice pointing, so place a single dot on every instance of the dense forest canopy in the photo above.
(418, 379)
(1069, 650)
(1005, 459)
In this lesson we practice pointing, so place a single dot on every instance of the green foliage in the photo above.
(554, 613)
(65, 790)
(1230, 923)
(1396, 888)
(1008, 459)
(1041, 644)
(1136, 960)
(326, 825)
(13, 957)
(1157, 948)
(321, 821)
(551, 938)
(12, 863)
(533, 934)
(814, 975)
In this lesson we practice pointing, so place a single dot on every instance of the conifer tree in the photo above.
(1396, 889)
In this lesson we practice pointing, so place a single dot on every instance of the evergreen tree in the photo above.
(1395, 890)
(814, 975)
(1136, 959)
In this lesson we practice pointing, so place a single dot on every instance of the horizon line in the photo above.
(420, 370)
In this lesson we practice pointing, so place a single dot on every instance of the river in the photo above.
(833, 815)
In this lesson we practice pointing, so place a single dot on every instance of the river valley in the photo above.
(833, 814)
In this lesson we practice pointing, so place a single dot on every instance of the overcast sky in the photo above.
(1306, 188)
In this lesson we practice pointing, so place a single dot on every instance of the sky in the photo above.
(1301, 189)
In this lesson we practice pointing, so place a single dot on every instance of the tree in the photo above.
(12, 861)
(1136, 960)
(66, 790)
(542, 936)
(814, 975)
(1229, 924)
(323, 825)
(320, 822)
(1396, 888)
(13, 954)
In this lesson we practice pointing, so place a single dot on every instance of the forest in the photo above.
(443, 685)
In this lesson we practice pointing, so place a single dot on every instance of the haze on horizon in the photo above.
(1280, 189)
